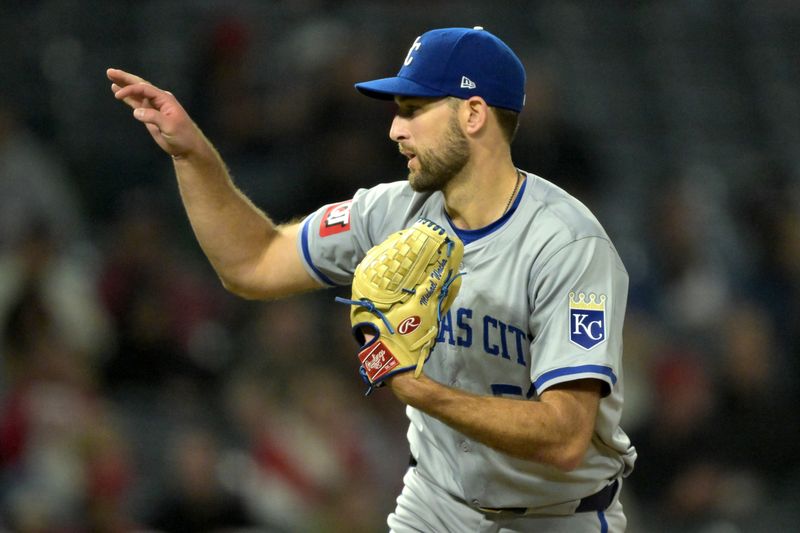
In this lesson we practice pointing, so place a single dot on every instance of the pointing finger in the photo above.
(122, 78)
(144, 95)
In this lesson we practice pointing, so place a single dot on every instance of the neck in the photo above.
(480, 194)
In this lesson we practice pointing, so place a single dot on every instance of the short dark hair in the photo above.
(506, 118)
(508, 121)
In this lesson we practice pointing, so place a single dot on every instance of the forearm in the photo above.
(232, 232)
(550, 432)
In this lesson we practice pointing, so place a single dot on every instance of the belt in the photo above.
(599, 501)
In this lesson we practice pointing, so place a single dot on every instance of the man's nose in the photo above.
(399, 131)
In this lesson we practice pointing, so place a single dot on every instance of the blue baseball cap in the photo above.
(460, 62)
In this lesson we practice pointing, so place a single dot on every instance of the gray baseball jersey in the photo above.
(542, 302)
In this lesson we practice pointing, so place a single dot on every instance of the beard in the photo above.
(438, 166)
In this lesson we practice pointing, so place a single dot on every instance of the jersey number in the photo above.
(504, 389)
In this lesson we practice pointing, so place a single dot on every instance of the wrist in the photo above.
(199, 151)
(408, 388)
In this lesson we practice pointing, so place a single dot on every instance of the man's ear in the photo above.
(477, 114)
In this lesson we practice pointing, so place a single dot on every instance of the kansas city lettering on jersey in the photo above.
(498, 338)
(587, 319)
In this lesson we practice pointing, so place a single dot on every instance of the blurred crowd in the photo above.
(137, 395)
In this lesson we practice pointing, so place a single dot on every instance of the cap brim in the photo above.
(388, 88)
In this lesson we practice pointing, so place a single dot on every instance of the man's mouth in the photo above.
(410, 155)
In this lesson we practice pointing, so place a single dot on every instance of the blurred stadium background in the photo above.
(135, 394)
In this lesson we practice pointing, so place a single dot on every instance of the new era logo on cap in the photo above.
(460, 62)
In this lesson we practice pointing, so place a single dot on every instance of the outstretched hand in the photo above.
(159, 110)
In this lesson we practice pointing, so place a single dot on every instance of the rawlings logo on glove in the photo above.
(400, 290)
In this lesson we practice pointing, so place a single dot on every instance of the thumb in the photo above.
(147, 115)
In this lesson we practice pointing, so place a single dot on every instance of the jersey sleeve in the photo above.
(334, 238)
(579, 298)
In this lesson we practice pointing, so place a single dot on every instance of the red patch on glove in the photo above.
(377, 361)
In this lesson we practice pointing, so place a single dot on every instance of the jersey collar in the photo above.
(471, 235)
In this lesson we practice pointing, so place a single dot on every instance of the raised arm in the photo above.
(253, 257)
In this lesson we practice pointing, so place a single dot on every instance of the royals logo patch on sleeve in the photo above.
(336, 219)
(587, 319)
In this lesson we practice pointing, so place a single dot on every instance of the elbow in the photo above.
(240, 290)
(569, 456)
(563, 456)
(568, 463)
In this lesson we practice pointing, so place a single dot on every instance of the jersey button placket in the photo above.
(465, 446)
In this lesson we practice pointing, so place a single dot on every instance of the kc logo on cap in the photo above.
(460, 62)
(409, 57)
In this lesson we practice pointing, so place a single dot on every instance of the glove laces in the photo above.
(364, 302)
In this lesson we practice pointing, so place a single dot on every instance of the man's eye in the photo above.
(406, 112)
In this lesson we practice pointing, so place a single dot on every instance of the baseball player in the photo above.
(514, 423)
